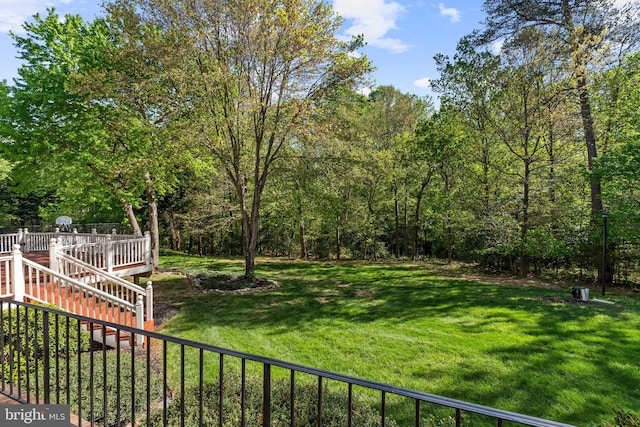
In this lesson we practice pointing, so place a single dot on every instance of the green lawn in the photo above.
(502, 346)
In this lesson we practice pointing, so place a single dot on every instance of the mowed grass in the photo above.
(502, 346)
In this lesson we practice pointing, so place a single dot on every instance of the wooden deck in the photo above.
(6, 400)
(42, 258)
(39, 257)
(81, 304)
(119, 255)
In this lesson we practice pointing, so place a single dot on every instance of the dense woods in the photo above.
(245, 130)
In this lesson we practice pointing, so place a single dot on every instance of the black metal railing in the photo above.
(47, 358)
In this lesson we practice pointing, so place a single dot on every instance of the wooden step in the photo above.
(79, 302)
(109, 336)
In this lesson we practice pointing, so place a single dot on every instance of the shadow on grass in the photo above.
(296, 303)
(589, 347)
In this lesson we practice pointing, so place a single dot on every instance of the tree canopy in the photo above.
(240, 128)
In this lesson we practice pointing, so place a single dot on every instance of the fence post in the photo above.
(26, 245)
(46, 361)
(266, 395)
(18, 274)
(53, 255)
(147, 248)
(140, 319)
(149, 291)
(108, 253)
(75, 236)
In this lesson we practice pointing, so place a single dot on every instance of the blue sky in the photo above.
(402, 35)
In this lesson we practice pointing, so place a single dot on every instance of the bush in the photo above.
(334, 405)
(216, 280)
(23, 339)
(447, 421)
(109, 382)
(625, 419)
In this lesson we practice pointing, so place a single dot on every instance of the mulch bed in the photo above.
(163, 312)
(564, 300)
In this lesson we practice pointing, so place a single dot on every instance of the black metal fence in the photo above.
(47, 358)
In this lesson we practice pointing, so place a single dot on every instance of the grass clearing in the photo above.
(518, 348)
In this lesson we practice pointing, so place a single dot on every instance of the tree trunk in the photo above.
(580, 63)
(175, 242)
(303, 241)
(592, 150)
(250, 247)
(525, 218)
(153, 223)
(485, 177)
(249, 221)
(131, 216)
(449, 242)
(396, 236)
(552, 167)
(448, 183)
(405, 227)
(338, 240)
(592, 154)
(303, 238)
(416, 219)
(252, 232)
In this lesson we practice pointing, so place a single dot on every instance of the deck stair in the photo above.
(67, 280)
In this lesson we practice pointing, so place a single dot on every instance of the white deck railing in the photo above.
(108, 254)
(5, 276)
(27, 279)
(7, 241)
(83, 273)
(95, 277)
(105, 251)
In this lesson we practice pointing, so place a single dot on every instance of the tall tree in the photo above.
(519, 101)
(620, 96)
(394, 119)
(57, 138)
(140, 110)
(436, 151)
(252, 73)
(585, 30)
(347, 178)
(467, 87)
(5, 105)
(466, 84)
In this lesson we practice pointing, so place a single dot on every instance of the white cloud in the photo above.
(13, 13)
(453, 13)
(620, 3)
(364, 90)
(374, 19)
(496, 46)
(424, 83)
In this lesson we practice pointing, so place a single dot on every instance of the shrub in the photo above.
(334, 405)
(625, 419)
(447, 421)
(23, 340)
(217, 280)
(100, 382)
